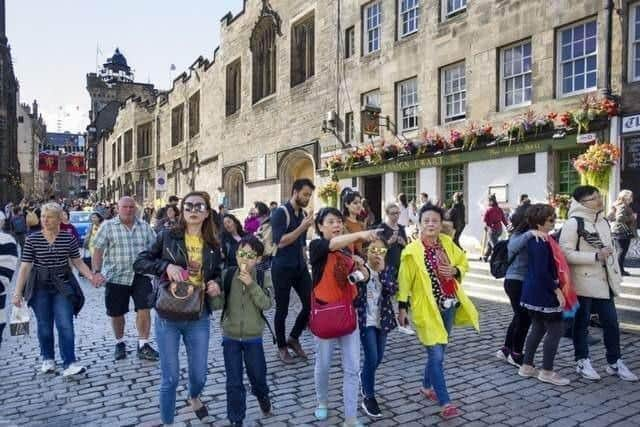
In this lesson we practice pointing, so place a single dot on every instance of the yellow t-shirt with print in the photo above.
(194, 246)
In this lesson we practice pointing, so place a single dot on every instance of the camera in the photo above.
(355, 277)
(450, 302)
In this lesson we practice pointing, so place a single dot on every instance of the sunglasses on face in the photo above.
(194, 207)
(246, 254)
(378, 251)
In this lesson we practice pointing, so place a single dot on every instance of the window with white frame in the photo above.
(408, 184)
(516, 75)
(577, 58)
(372, 27)
(407, 92)
(454, 92)
(371, 98)
(349, 130)
(409, 16)
(453, 7)
(634, 42)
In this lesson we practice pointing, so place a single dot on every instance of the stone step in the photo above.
(479, 283)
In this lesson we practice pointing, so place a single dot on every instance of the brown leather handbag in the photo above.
(180, 301)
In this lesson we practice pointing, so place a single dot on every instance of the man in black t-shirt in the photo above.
(289, 226)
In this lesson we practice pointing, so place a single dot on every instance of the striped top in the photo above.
(42, 254)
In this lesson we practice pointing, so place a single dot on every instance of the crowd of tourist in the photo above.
(360, 278)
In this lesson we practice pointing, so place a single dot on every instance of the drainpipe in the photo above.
(607, 91)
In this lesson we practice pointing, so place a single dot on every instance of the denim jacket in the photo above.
(389, 289)
(518, 246)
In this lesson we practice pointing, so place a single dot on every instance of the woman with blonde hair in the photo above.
(48, 285)
(624, 225)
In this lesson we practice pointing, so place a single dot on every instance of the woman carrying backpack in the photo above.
(511, 351)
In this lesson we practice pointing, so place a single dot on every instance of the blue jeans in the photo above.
(195, 335)
(373, 342)
(434, 369)
(234, 352)
(52, 307)
(606, 310)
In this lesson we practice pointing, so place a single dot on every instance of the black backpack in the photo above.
(226, 285)
(500, 261)
(556, 234)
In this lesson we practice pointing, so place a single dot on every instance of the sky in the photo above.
(54, 45)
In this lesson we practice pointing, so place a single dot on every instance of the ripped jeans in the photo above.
(195, 335)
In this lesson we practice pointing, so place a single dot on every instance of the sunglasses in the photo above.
(195, 207)
(246, 254)
(378, 251)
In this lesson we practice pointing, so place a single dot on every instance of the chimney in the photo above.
(35, 105)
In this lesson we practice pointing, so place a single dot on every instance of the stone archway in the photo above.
(295, 165)
(233, 184)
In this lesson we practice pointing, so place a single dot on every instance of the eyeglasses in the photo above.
(195, 207)
(378, 251)
(246, 254)
(393, 213)
(590, 199)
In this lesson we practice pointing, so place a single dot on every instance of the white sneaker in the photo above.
(406, 330)
(585, 369)
(48, 366)
(73, 369)
(500, 355)
(621, 370)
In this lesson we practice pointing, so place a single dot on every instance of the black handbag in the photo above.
(180, 301)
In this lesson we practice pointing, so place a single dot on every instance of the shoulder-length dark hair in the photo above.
(402, 198)
(209, 227)
(348, 198)
(237, 223)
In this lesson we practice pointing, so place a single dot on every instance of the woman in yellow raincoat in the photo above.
(431, 270)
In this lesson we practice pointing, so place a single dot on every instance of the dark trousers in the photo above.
(623, 248)
(284, 279)
(606, 310)
(456, 236)
(234, 352)
(519, 326)
(551, 325)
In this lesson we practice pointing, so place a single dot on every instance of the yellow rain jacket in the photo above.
(414, 281)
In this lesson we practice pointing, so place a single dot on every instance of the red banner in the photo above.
(47, 161)
(75, 163)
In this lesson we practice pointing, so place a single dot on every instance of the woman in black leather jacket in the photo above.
(188, 252)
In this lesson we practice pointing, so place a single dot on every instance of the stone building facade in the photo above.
(9, 167)
(32, 133)
(285, 90)
(108, 89)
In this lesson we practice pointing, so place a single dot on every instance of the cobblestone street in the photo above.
(488, 391)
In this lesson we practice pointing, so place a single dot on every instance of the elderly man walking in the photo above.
(116, 246)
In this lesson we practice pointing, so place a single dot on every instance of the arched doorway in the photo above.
(233, 184)
(295, 165)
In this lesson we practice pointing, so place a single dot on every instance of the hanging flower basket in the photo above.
(594, 165)
(329, 193)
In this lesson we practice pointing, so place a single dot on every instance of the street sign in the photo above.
(161, 180)
(631, 123)
(586, 138)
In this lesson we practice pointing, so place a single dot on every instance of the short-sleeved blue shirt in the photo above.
(292, 255)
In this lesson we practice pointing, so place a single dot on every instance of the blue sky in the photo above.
(54, 44)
